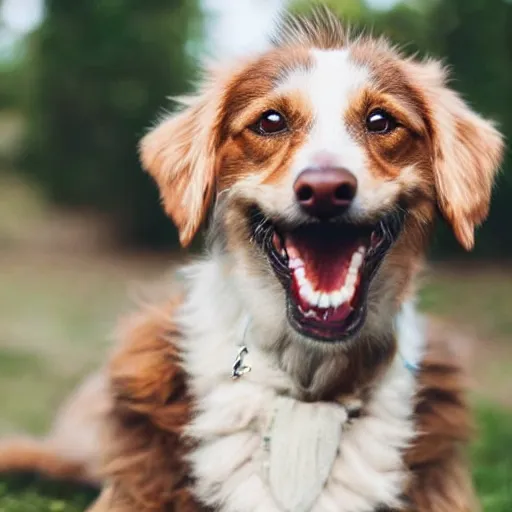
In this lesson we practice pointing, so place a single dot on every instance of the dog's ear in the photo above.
(467, 152)
(180, 154)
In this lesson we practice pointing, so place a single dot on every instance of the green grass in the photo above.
(492, 459)
(26, 494)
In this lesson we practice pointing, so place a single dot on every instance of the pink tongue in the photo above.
(326, 260)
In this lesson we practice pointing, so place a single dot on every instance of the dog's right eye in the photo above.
(380, 122)
(270, 123)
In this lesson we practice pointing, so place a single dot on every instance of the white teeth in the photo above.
(314, 298)
(300, 276)
(308, 313)
(324, 301)
(292, 252)
(344, 295)
(334, 299)
(351, 280)
(306, 291)
(295, 263)
(357, 260)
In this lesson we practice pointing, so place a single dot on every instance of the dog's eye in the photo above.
(379, 121)
(269, 123)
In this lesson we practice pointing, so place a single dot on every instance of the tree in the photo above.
(100, 73)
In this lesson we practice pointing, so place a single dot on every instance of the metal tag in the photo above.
(239, 368)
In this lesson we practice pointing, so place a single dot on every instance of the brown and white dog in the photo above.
(292, 373)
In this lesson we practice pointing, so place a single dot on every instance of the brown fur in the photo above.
(440, 477)
(144, 451)
(29, 455)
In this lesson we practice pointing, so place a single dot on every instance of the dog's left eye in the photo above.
(379, 121)
(269, 123)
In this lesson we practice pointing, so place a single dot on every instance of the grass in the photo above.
(492, 458)
(26, 494)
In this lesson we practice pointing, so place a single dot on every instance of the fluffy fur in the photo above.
(345, 427)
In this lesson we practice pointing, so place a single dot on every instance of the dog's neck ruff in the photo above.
(259, 447)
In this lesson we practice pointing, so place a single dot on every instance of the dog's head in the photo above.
(325, 160)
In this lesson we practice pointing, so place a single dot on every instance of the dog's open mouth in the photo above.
(326, 269)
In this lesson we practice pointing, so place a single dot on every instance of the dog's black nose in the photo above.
(325, 192)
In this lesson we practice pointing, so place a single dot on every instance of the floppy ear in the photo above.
(180, 155)
(467, 153)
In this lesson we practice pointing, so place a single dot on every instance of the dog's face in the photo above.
(327, 161)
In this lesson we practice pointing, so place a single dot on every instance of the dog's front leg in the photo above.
(143, 447)
(443, 487)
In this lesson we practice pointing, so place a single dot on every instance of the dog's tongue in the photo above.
(326, 259)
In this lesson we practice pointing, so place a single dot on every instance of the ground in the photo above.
(58, 306)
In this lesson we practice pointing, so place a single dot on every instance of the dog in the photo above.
(292, 372)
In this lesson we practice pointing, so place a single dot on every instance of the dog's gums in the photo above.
(326, 269)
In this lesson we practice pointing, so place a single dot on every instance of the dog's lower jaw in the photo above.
(233, 461)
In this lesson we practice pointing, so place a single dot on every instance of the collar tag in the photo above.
(239, 368)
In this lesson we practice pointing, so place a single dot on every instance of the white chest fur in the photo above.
(261, 451)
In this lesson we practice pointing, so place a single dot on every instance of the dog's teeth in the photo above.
(324, 301)
(308, 313)
(284, 254)
(361, 249)
(351, 279)
(344, 294)
(300, 276)
(357, 260)
(336, 299)
(350, 291)
(295, 263)
(353, 271)
(314, 298)
(306, 291)
(292, 252)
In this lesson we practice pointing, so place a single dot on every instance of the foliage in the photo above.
(10, 91)
(100, 72)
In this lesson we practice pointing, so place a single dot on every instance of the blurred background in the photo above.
(80, 225)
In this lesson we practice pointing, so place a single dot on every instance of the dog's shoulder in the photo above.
(442, 410)
(144, 371)
(144, 449)
(440, 479)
